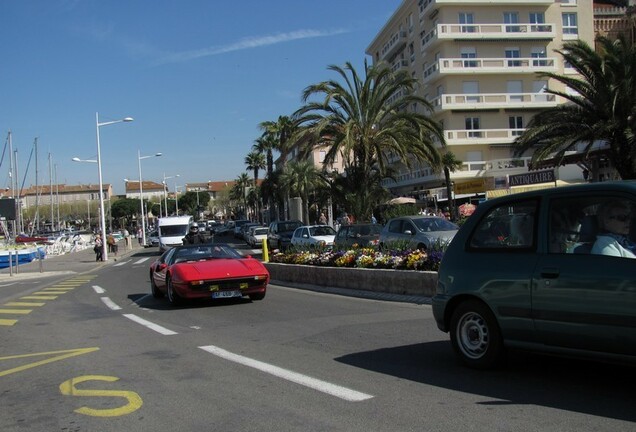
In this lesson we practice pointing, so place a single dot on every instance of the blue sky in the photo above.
(198, 76)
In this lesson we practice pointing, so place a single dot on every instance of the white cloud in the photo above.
(247, 43)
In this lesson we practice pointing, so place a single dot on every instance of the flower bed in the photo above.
(357, 257)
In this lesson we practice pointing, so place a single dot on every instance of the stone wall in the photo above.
(406, 282)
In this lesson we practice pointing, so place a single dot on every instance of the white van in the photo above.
(172, 230)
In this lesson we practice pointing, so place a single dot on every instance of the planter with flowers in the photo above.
(396, 270)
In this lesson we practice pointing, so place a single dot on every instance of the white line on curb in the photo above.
(98, 289)
(111, 304)
(316, 384)
(150, 325)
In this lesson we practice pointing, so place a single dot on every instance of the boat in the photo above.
(24, 255)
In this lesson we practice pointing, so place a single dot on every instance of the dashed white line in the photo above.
(316, 384)
(111, 304)
(98, 289)
(121, 263)
(141, 260)
(150, 325)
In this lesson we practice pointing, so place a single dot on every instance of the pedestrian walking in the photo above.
(140, 236)
(99, 248)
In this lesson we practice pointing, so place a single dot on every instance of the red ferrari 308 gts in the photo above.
(207, 271)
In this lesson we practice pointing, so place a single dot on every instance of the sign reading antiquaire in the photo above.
(532, 178)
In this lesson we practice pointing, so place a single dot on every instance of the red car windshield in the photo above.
(202, 252)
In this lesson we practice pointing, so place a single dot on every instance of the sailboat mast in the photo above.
(37, 190)
(51, 190)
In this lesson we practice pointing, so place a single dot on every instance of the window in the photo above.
(516, 124)
(539, 53)
(465, 19)
(512, 53)
(471, 90)
(592, 225)
(472, 123)
(510, 226)
(512, 18)
(395, 226)
(570, 26)
(537, 18)
(469, 53)
(515, 90)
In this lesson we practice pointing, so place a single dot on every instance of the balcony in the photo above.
(468, 170)
(481, 136)
(447, 102)
(396, 43)
(474, 66)
(487, 32)
(400, 64)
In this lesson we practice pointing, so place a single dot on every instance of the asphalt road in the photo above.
(96, 352)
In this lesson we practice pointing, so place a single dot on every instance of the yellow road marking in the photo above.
(62, 355)
(26, 304)
(39, 297)
(67, 388)
(7, 322)
(51, 293)
(58, 289)
(16, 311)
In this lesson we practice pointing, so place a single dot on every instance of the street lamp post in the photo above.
(165, 192)
(141, 196)
(176, 197)
(102, 219)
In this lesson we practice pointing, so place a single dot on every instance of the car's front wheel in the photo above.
(475, 335)
(173, 297)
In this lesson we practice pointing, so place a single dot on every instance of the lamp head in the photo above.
(158, 154)
(128, 119)
(76, 159)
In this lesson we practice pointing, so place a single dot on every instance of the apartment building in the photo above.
(62, 194)
(476, 62)
(149, 189)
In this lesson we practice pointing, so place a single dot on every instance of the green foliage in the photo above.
(125, 208)
(385, 212)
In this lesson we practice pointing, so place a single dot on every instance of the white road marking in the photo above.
(150, 325)
(141, 260)
(121, 263)
(111, 304)
(316, 384)
(98, 289)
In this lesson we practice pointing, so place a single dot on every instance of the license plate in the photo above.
(226, 294)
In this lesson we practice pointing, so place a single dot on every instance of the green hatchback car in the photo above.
(552, 270)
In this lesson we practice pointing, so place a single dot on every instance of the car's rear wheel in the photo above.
(258, 296)
(173, 297)
(153, 287)
(475, 335)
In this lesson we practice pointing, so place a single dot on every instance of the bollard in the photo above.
(17, 261)
(10, 263)
(265, 252)
(40, 259)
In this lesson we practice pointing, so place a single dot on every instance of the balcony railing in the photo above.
(487, 32)
(396, 43)
(481, 136)
(488, 168)
(494, 100)
(490, 65)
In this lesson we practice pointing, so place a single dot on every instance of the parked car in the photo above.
(360, 234)
(152, 240)
(526, 271)
(280, 232)
(313, 236)
(246, 228)
(419, 232)
(256, 236)
(238, 224)
(209, 271)
(203, 226)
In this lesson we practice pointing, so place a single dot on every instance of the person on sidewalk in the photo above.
(140, 236)
(99, 248)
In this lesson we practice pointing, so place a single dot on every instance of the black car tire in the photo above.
(153, 287)
(475, 335)
(173, 297)
(256, 297)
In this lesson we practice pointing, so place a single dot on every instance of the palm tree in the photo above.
(255, 161)
(450, 164)
(239, 190)
(601, 108)
(365, 123)
(301, 178)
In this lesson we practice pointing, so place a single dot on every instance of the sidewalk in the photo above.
(70, 263)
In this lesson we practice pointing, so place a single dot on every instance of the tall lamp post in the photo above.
(176, 197)
(102, 218)
(165, 192)
(141, 196)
